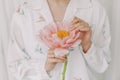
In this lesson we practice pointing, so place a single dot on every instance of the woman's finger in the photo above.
(50, 53)
(75, 26)
(83, 28)
(75, 20)
(57, 60)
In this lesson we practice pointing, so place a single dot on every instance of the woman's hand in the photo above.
(52, 60)
(85, 30)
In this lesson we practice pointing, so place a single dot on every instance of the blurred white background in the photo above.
(7, 8)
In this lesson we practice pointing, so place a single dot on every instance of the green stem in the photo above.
(64, 70)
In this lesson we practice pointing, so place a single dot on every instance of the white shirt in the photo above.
(26, 55)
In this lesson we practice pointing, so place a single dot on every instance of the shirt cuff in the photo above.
(90, 51)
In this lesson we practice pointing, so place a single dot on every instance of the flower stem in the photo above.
(64, 70)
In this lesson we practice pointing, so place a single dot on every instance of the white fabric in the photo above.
(113, 8)
(113, 72)
(30, 54)
(5, 11)
(3, 73)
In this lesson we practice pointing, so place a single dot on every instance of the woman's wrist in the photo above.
(86, 45)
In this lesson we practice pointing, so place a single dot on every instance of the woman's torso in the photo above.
(38, 16)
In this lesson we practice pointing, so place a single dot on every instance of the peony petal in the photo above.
(46, 35)
(56, 39)
(66, 26)
(61, 52)
(76, 43)
(72, 40)
(51, 28)
(59, 26)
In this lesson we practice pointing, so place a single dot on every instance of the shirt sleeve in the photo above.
(21, 65)
(98, 55)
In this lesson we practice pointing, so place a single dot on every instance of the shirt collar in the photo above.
(42, 7)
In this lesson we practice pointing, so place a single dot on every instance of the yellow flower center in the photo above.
(62, 34)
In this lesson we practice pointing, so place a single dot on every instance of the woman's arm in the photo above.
(95, 42)
(21, 65)
(98, 54)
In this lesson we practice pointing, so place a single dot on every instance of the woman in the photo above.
(28, 58)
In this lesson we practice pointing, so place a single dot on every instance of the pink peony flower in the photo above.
(58, 36)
